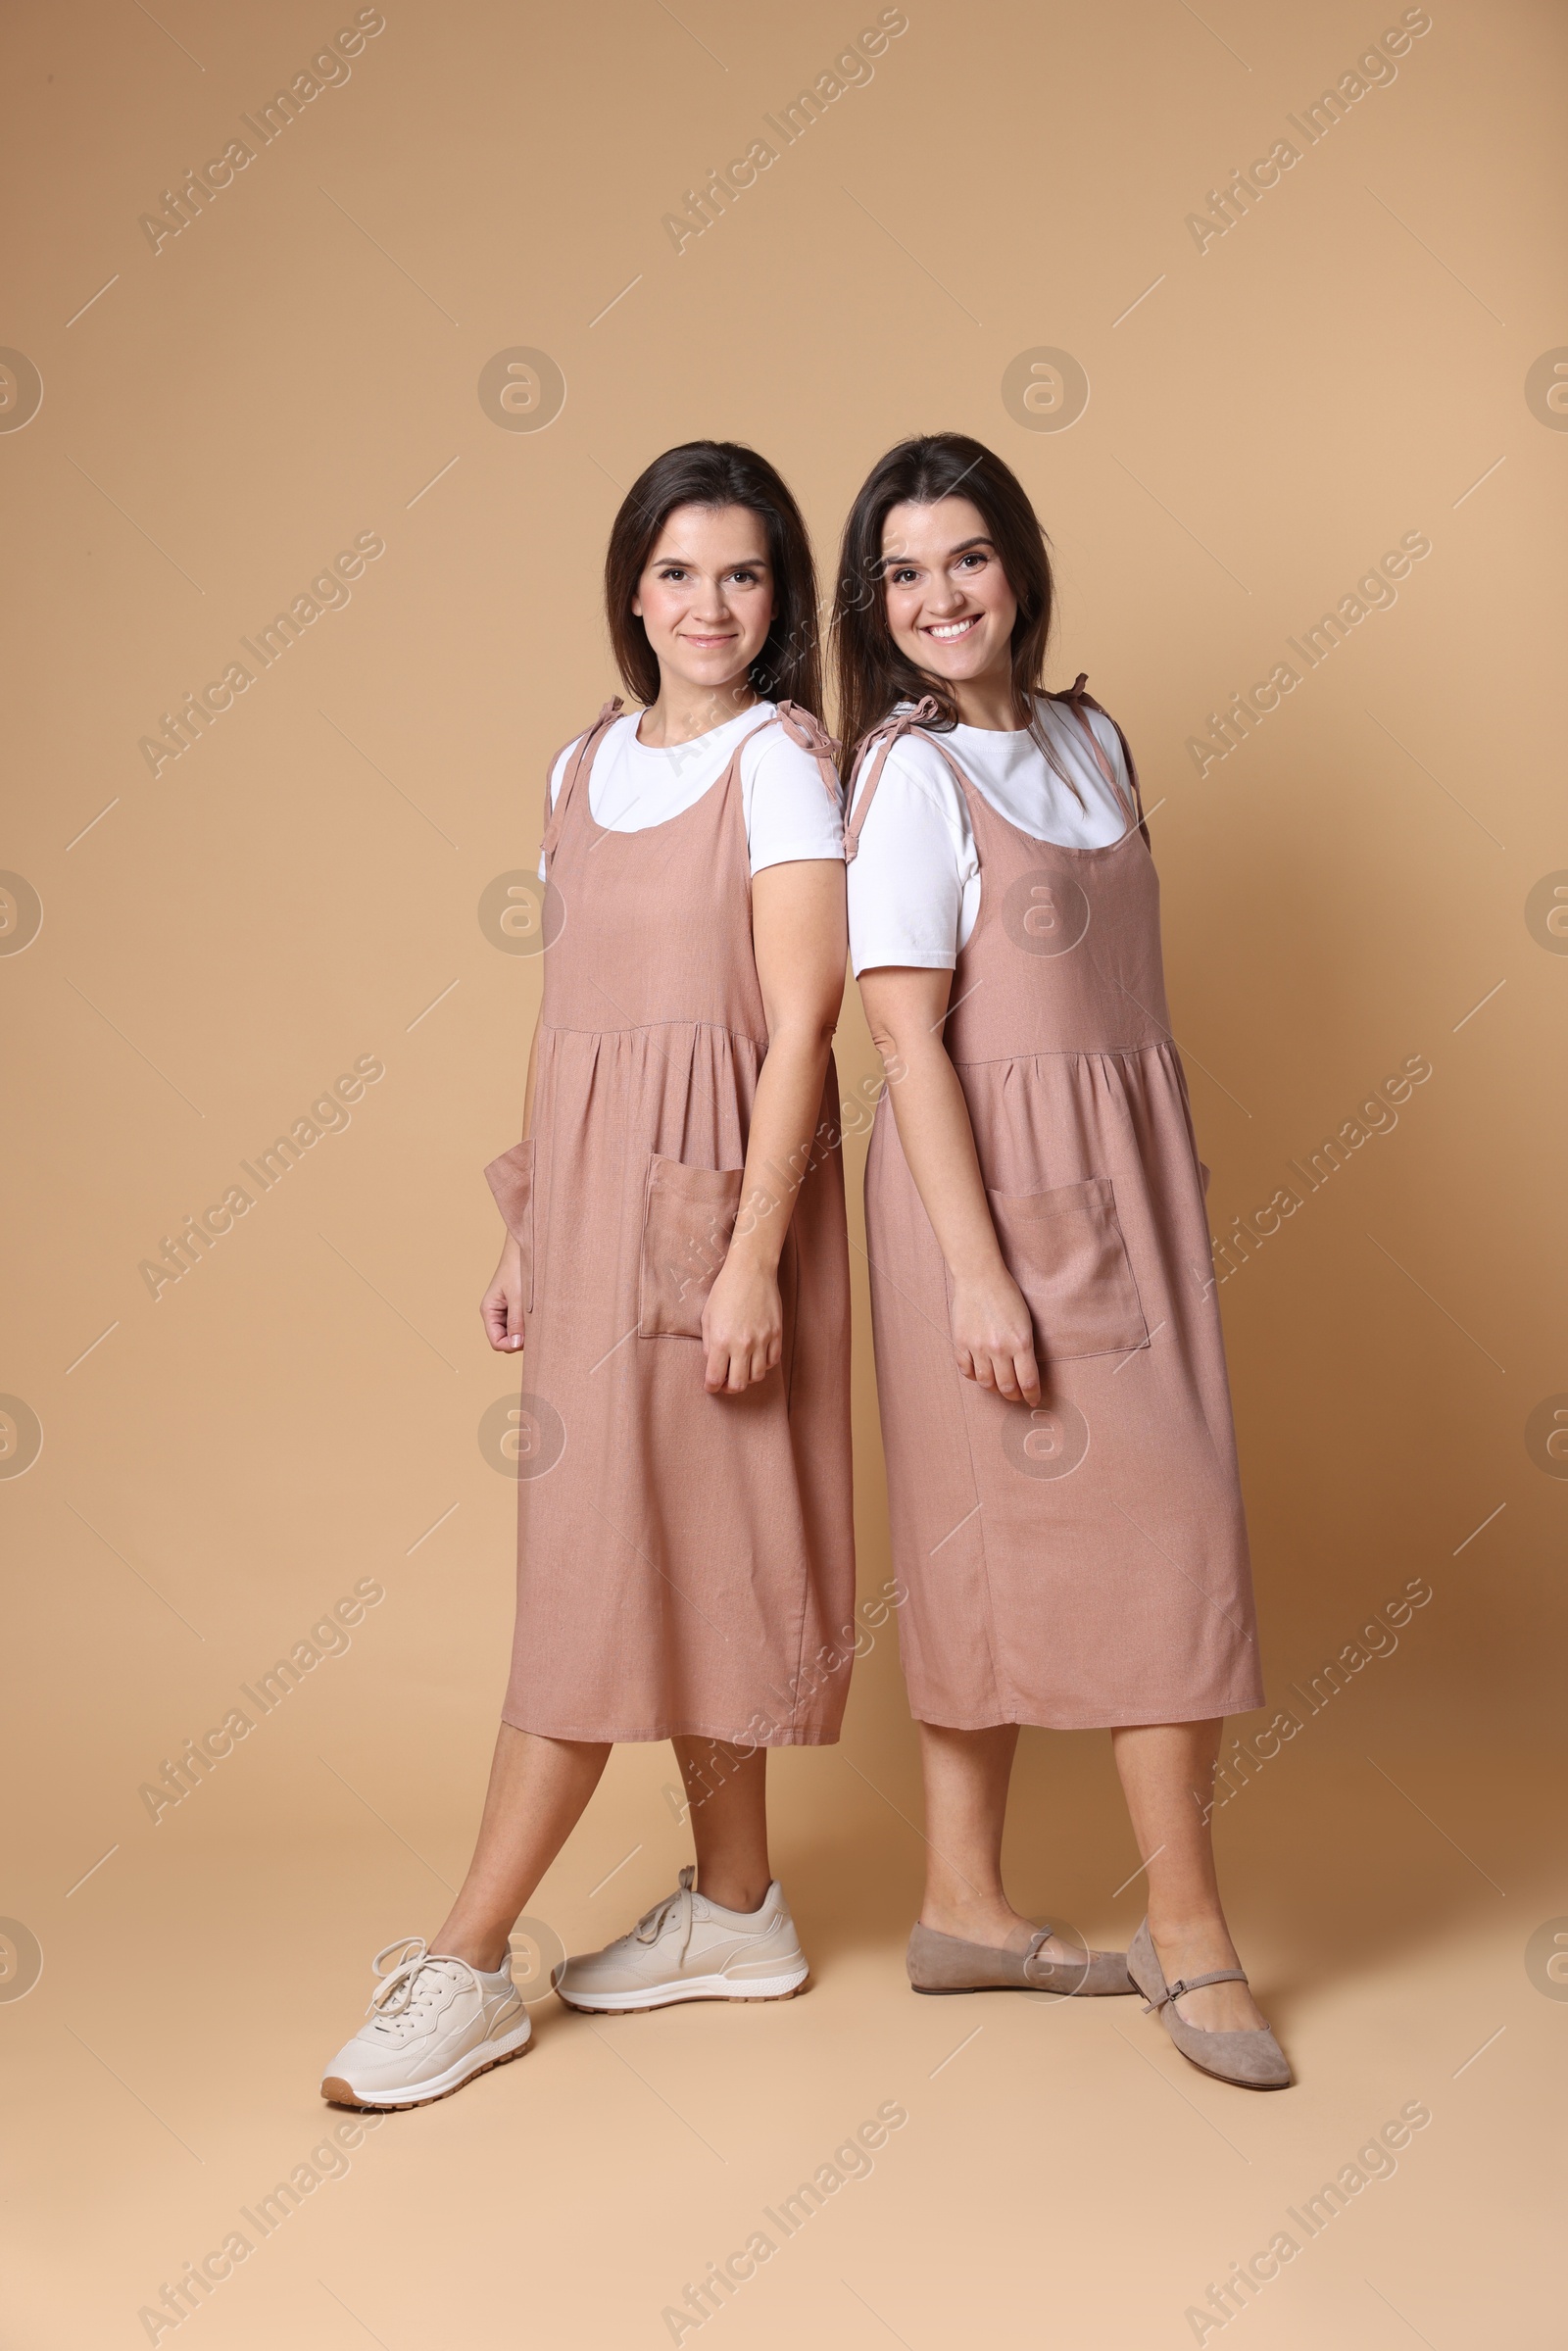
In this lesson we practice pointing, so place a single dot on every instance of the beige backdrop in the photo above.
(998, 208)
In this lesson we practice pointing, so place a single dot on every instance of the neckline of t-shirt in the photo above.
(1008, 734)
(612, 832)
(762, 712)
(995, 815)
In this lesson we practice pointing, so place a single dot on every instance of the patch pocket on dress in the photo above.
(511, 1179)
(688, 1219)
(1064, 1249)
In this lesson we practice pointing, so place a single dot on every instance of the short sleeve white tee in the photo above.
(914, 884)
(785, 800)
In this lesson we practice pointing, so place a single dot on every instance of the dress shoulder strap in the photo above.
(587, 746)
(883, 737)
(1078, 703)
(810, 735)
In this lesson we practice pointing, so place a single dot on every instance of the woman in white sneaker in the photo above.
(676, 1275)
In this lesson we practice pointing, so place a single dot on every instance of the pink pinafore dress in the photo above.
(1083, 1563)
(683, 1559)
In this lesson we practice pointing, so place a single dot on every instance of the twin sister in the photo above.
(1065, 1508)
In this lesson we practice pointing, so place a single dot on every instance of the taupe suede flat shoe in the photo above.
(1250, 2060)
(945, 1963)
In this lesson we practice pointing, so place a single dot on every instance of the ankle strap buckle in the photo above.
(1183, 1983)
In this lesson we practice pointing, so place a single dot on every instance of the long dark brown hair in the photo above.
(873, 675)
(719, 473)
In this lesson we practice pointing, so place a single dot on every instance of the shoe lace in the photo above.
(653, 1923)
(399, 1988)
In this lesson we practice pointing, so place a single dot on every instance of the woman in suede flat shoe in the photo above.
(1065, 1504)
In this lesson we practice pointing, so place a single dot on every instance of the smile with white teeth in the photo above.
(949, 629)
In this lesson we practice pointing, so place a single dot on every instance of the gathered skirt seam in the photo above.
(638, 1028)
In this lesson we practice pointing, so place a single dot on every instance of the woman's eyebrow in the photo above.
(741, 563)
(962, 548)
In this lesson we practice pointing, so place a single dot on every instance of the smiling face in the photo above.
(706, 599)
(949, 605)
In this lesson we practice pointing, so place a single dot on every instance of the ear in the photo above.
(637, 607)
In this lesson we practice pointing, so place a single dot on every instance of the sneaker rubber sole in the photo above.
(337, 2092)
(690, 1988)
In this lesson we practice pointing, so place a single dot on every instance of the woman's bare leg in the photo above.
(966, 1777)
(1167, 1776)
(539, 1788)
(726, 1792)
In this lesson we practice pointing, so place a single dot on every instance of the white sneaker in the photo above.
(688, 1948)
(434, 2024)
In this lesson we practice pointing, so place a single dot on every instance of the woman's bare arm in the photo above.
(501, 1307)
(800, 938)
(993, 1340)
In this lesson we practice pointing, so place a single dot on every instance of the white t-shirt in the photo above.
(915, 885)
(784, 798)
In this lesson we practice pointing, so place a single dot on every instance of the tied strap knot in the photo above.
(901, 723)
(806, 731)
(1075, 697)
(1081, 703)
(804, 727)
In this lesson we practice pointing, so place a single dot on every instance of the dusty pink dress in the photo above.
(683, 1559)
(1084, 1563)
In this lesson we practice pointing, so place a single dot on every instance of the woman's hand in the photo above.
(743, 1326)
(993, 1339)
(501, 1307)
